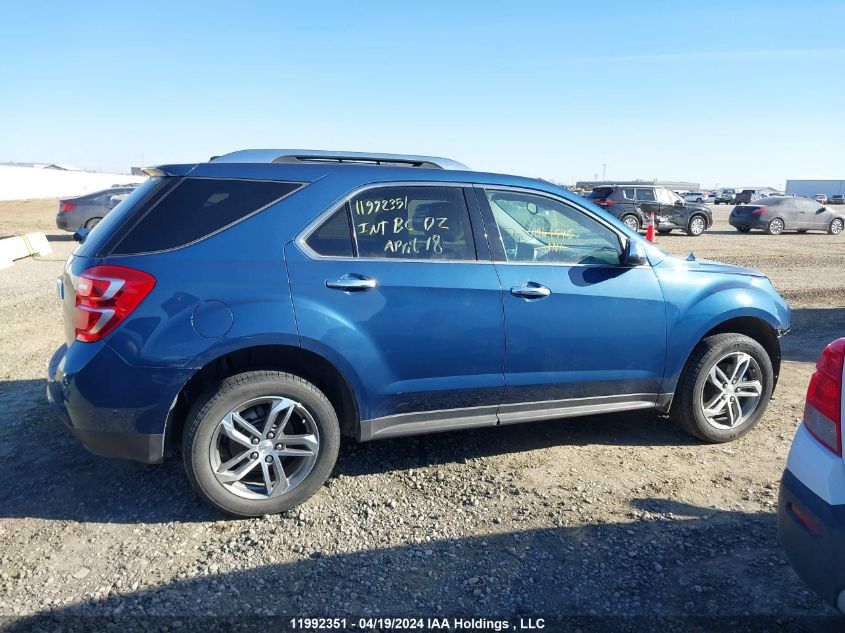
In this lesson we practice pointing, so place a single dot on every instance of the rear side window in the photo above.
(196, 208)
(645, 195)
(412, 223)
(333, 238)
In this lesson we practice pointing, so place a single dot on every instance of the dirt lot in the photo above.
(619, 515)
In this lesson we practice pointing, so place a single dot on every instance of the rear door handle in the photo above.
(531, 290)
(352, 283)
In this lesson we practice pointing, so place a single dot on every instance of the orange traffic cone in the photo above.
(649, 234)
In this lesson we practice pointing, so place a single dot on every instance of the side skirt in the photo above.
(453, 419)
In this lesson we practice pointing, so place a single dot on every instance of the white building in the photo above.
(809, 188)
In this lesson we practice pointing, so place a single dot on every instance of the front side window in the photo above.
(534, 228)
(412, 223)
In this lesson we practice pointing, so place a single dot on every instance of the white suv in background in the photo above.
(811, 505)
(694, 196)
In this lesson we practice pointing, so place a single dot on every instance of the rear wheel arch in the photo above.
(285, 358)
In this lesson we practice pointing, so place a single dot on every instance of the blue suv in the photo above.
(252, 309)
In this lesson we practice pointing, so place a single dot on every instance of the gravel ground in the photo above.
(600, 517)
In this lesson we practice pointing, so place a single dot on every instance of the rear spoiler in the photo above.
(168, 170)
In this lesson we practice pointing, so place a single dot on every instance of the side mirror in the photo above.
(634, 254)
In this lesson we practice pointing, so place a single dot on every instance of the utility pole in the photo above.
(604, 171)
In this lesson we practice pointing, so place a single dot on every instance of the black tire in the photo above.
(631, 220)
(687, 406)
(206, 415)
(696, 226)
(775, 226)
(92, 222)
(835, 226)
(743, 229)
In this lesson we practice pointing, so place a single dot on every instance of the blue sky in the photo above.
(723, 93)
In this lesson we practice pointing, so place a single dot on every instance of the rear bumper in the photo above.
(815, 551)
(113, 408)
(751, 221)
(66, 223)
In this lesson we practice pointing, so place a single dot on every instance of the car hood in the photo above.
(706, 266)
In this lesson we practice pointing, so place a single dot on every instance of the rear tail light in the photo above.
(605, 203)
(759, 211)
(105, 295)
(823, 408)
(65, 206)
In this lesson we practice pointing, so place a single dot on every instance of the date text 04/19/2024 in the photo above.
(418, 624)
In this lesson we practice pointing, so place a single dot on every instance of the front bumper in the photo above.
(113, 408)
(812, 532)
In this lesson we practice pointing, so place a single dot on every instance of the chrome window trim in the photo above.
(301, 239)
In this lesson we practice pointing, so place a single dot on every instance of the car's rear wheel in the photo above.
(697, 225)
(835, 226)
(775, 226)
(743, 229)
(632, 221)
(724, 389)
(92, 222)
(260, 443)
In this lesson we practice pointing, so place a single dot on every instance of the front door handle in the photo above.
(351, 283)
(531, 290)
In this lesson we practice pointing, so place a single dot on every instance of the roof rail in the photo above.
(324, 156)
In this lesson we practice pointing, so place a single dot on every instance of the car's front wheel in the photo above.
(696, 226)
(724, 388)
(260, 443)
(835, 226)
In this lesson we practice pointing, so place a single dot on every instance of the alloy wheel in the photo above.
(696, 225)
(632, 222)
(732, 390)
(836, 227)
(776, 226)
(264, 448)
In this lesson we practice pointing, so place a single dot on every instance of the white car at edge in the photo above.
(811, 504)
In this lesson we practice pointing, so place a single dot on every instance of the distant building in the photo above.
(669, 184)
(54, 166)
(809, 188)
